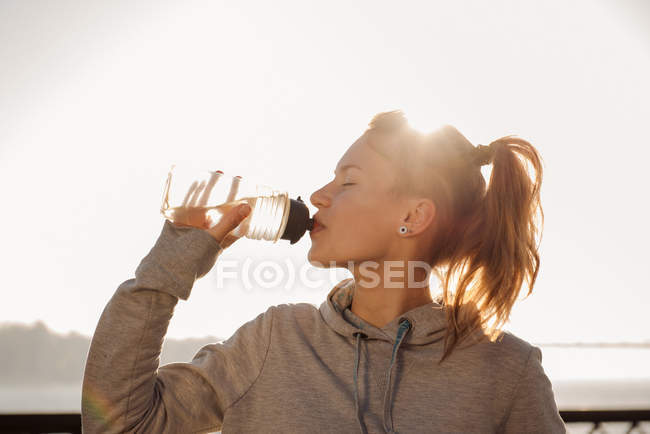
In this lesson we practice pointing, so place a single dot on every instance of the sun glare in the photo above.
(423, 120)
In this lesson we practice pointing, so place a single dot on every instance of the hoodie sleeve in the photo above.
(533, 409)
(123, 388)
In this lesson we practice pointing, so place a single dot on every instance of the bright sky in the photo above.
(97, 99)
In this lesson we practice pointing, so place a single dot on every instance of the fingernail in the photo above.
(244, 209)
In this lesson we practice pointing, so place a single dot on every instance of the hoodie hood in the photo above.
(422, 325)
(427, 321)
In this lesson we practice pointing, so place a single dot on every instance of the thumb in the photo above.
(229, 221)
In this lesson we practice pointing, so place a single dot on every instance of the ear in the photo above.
(421, 214)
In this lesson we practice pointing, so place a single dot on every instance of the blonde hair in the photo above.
(486, 239)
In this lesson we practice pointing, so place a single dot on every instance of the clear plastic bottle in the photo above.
(201, 198)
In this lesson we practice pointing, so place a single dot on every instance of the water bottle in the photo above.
(205, 196)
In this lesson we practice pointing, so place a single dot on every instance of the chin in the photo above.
(321, 260)
(317, 260)
(326, 262)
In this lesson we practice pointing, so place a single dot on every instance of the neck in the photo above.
(380, 297)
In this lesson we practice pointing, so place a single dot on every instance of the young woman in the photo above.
(380, 354)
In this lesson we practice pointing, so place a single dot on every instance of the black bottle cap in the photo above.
(298, 222)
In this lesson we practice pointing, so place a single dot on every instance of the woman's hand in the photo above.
(222, 230)
(193, 212)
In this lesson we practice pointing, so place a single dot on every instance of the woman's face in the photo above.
(360, 218)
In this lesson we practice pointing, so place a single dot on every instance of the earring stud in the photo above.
(403, 229)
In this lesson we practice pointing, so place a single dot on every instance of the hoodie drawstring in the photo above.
(404, 327)
(356, 391)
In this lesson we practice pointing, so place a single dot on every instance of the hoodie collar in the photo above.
(427, 321)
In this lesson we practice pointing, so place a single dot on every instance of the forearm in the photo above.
(120, 379)
(120, 374)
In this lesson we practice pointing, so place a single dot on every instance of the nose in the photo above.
(319, 198)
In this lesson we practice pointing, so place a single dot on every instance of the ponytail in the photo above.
(498, 250)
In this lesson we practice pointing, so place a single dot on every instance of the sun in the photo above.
(423, 120)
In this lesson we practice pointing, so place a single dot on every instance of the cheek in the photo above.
(363, 218)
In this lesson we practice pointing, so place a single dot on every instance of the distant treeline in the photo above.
(33, 354)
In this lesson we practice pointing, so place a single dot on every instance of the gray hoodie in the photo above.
(299, 368)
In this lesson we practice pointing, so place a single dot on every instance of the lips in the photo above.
(317, 227)
(317, 224)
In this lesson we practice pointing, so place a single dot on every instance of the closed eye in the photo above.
(349, 183)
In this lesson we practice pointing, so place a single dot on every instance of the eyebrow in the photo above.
(347, 166)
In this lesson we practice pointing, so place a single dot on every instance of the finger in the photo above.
(214, 177)
(189, 193)
(198, 191)
(229, 221)
(234, 188)
(228, 240)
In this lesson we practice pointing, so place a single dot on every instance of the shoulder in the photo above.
(511, 345)
(500, 365)
(294, 314)
(282, 320)
(509, 352)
